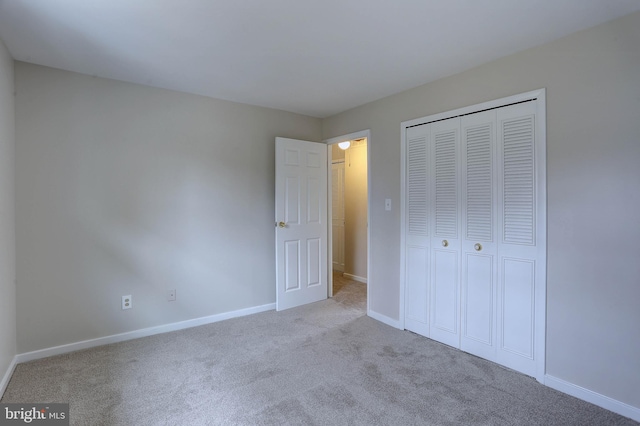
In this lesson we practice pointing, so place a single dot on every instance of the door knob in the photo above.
(477, 246)
(445, 243)
(281, 225)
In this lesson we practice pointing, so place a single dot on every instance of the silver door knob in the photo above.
(445, 243)
(477, 246)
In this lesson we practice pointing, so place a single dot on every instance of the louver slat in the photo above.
(479, 185)
(417, 186)
(446, 185)
(518, 181)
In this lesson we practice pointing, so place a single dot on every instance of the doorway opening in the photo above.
(348, 205)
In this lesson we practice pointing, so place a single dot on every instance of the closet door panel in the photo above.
(445, 178)
(417, 297)
(417, 225)
(445, 240)
(517, 194)
(417, 182)
(446, 271)
(479, 301)
(479, 242)
(517, 294)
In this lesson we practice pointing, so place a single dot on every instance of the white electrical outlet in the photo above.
(171, 295)
(127, 302)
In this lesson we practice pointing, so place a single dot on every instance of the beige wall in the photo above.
(7, 218)
(355, 203)
(125, 189)
(593, 146)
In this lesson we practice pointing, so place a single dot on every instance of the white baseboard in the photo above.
(354, 277)
(115, 338)
(593, 397)
(7, 375)
(385, 319)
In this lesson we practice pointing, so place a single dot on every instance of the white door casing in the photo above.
(301, 222)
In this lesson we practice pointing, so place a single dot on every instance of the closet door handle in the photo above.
(445, 243)
(477, 246)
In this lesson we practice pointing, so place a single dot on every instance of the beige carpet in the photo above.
(321, 364)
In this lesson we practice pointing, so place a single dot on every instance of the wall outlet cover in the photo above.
(127, 302)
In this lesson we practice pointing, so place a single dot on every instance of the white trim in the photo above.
(331, 141)
(496, 103)
(403, 224)
(7, 375)
(351, 136)
(385, 319)
(593, 397)
(136, 334)
(541, 211)
(354, 277)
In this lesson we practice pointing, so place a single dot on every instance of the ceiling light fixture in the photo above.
(344, 145)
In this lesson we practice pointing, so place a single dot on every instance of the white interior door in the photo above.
(301, 222)
(338, 219)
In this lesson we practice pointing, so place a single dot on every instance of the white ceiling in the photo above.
(314, 57)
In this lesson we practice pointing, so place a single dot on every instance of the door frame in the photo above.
(332, 141)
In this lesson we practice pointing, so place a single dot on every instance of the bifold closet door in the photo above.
(432, 220)
(444, 210)
(475, 234)
(520, 262)
(479, 241)
(417, 241)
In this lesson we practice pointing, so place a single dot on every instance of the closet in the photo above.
(474, 230)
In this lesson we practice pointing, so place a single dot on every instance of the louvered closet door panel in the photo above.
(479, 242)
(417, 230)
(517, 261)
(445, 240)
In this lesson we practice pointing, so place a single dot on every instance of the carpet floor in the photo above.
(326, 363)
